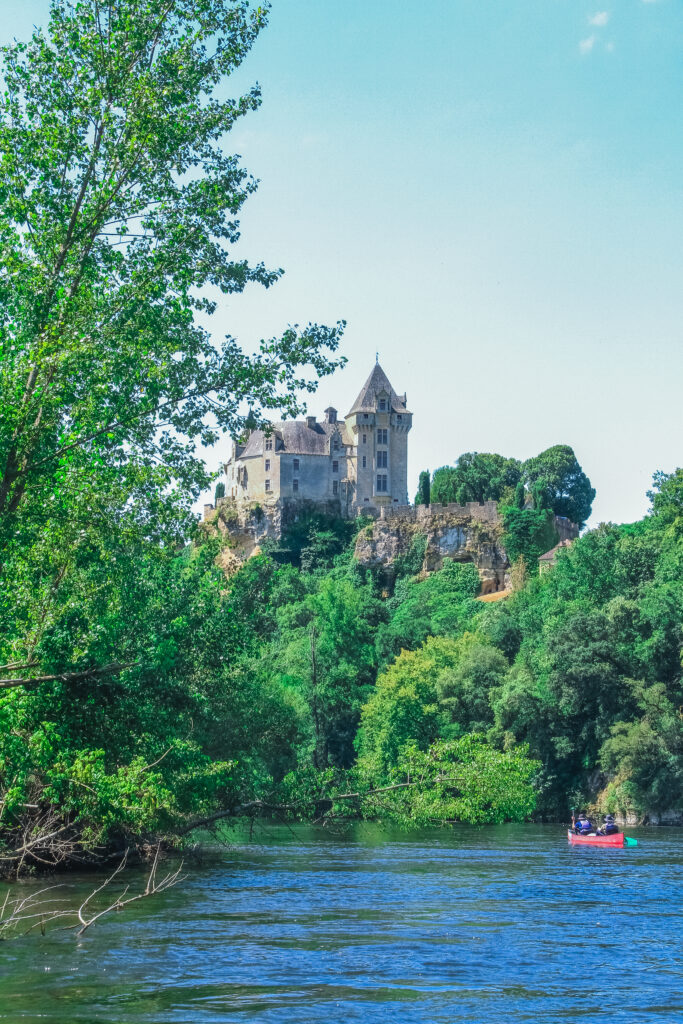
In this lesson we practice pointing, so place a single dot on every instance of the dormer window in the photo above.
(382, 405)
(269, 444)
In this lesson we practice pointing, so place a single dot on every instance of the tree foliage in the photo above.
(558, 483)
(476, 476)
(423, 496)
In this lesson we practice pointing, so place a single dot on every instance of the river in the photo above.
(502, 923)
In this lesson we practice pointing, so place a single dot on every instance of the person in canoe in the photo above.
(583, 826)
(609, 827)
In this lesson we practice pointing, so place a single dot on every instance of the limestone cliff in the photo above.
(464, 533)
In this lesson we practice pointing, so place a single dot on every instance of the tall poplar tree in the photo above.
(119, 206)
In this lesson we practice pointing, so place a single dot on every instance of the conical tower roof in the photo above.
(367, 399)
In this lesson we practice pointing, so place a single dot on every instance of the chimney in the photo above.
(330, 414)
(310, 422)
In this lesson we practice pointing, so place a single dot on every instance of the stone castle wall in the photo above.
(484, 512)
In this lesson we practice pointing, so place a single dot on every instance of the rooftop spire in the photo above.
(376, 382)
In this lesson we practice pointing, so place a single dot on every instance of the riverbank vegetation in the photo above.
(143, 694)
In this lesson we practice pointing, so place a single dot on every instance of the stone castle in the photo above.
(352, 464)
(355, 466)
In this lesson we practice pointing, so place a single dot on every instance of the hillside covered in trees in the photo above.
(144, 694)
(297, 687)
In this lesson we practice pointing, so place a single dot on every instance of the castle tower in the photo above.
(379, 422)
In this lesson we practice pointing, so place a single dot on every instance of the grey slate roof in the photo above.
(367, 399)
(296, 438)
(549, 556)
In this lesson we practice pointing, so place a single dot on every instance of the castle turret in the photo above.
(379, 422)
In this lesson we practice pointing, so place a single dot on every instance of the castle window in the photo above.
(335, 442)
(267, 465)
(364, 462)
(399, 417)
(365, 415)
(295, 465)
(382, 458)
(382, 436)
(295, 485)
(382, 405)
(335, 487)
(381, 482)
(335, 466)
(267, 485)
(269, 444)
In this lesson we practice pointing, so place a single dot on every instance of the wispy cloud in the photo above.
(599, 19)
(586, 45)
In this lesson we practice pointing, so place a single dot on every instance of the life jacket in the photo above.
(609, 828)
(584, 827)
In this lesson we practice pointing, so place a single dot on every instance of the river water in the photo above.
(495, 924)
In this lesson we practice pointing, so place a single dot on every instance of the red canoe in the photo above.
(614, 840)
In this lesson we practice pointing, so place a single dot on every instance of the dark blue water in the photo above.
(496, 924)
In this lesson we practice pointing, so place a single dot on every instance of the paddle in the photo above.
(630, 842)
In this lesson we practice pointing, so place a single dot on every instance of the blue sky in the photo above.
(490, 194)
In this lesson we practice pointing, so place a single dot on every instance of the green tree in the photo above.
(404, 706)
(119, 205)
(666, 497)
(119, 210)
(476, 476)
(558, 482)
(423, 489)
(528, 533)
(439, 605)
(326, 653)
(219, 492)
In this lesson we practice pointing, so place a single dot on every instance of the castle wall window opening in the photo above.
(295, 485)
(267, 485)
(381, 482)
(365, 438)
(269, 444)
(382, 405)
(365, 461)
(335, 466)
(335, 487)
(267, 465)
(295, 465)
(382, 460)
(382, 436)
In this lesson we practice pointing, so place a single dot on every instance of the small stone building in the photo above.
(359, 462)
(547, 560)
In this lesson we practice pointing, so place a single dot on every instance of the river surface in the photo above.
(502, 923)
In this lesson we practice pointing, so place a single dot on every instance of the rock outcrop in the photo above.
(464, 533)
(248, 524)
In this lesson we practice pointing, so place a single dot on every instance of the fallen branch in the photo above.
(37, 912)
(68, 677)
(328, 798)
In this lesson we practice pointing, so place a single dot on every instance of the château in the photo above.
(355, 463)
